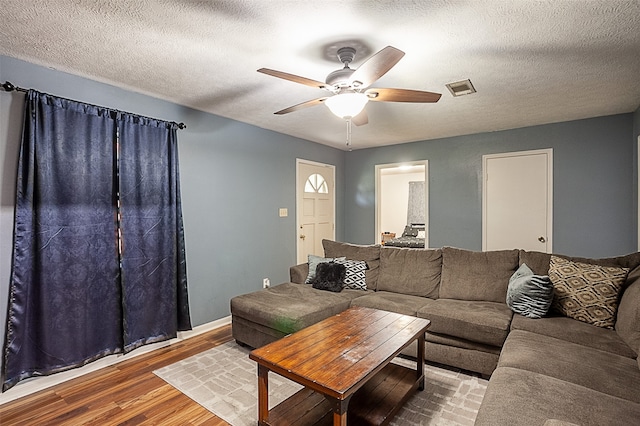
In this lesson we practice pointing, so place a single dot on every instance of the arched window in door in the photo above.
(316, 183)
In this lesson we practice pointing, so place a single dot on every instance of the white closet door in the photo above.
(517, 200)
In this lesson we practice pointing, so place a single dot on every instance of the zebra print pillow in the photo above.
(528, 294)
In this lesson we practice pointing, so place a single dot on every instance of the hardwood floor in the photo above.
(127, 393)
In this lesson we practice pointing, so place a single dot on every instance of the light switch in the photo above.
(284, 212)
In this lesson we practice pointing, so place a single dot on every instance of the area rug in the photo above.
(224, 381)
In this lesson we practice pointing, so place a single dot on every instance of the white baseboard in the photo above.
(32, 385)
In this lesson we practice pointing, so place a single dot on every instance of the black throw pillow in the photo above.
(329, 276)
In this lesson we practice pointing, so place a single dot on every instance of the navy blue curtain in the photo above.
(153, 255)
(75, 295)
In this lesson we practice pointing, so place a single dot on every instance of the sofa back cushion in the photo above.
(415, 272)
(473, 275)
(367, 253)
(539, 262)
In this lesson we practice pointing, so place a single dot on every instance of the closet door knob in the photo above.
(542, 239)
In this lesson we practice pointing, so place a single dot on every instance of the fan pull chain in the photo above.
(349, 134)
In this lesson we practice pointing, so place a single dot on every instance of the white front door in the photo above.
(315, 207)
(517, 201)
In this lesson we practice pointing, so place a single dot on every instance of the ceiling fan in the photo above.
(350, 87)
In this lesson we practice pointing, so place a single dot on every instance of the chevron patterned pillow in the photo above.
(587, 292)
(355, 275)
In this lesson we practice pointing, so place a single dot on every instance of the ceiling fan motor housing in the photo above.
(340, 78)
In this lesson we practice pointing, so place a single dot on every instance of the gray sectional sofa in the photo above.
(551, 370)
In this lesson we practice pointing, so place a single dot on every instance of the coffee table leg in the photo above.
(340, 411)
(420, 366)
(263, 395)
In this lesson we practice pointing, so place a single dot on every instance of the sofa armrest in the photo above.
(628, 316)
(298, 274)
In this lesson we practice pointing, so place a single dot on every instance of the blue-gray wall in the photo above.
(594, 189)
(234, 177)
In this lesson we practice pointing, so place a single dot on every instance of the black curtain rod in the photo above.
(8, 87)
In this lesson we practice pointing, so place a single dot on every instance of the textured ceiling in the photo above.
(532, 62)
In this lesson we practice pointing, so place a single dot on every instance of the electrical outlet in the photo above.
(266, 283)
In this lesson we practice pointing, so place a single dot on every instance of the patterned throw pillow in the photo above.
(586, 292)
(355, 274)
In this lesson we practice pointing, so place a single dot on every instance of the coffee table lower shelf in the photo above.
(375, 403)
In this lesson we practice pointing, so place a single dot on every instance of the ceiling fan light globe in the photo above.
(347, 105)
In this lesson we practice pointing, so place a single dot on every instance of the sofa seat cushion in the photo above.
(367, 253)
(594, 369)
(518, 397)
(473, 275)
(466, 359)
(395, 302)
(410, 271)
(568, 329)
(457, 342)
(290, 307)
(482, 322)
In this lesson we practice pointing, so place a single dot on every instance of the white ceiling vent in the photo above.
(460, 88)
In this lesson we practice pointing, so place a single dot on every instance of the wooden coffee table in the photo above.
(344, 364)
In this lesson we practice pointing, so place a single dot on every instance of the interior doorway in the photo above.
(402, 199)
(315, 207)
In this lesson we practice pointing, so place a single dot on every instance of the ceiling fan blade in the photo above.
(361, 119)
(401, 95)
(376, 66)
(294, 78)
(301, 106)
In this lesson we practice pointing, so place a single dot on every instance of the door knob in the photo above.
(302, 237)
(542, 239)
